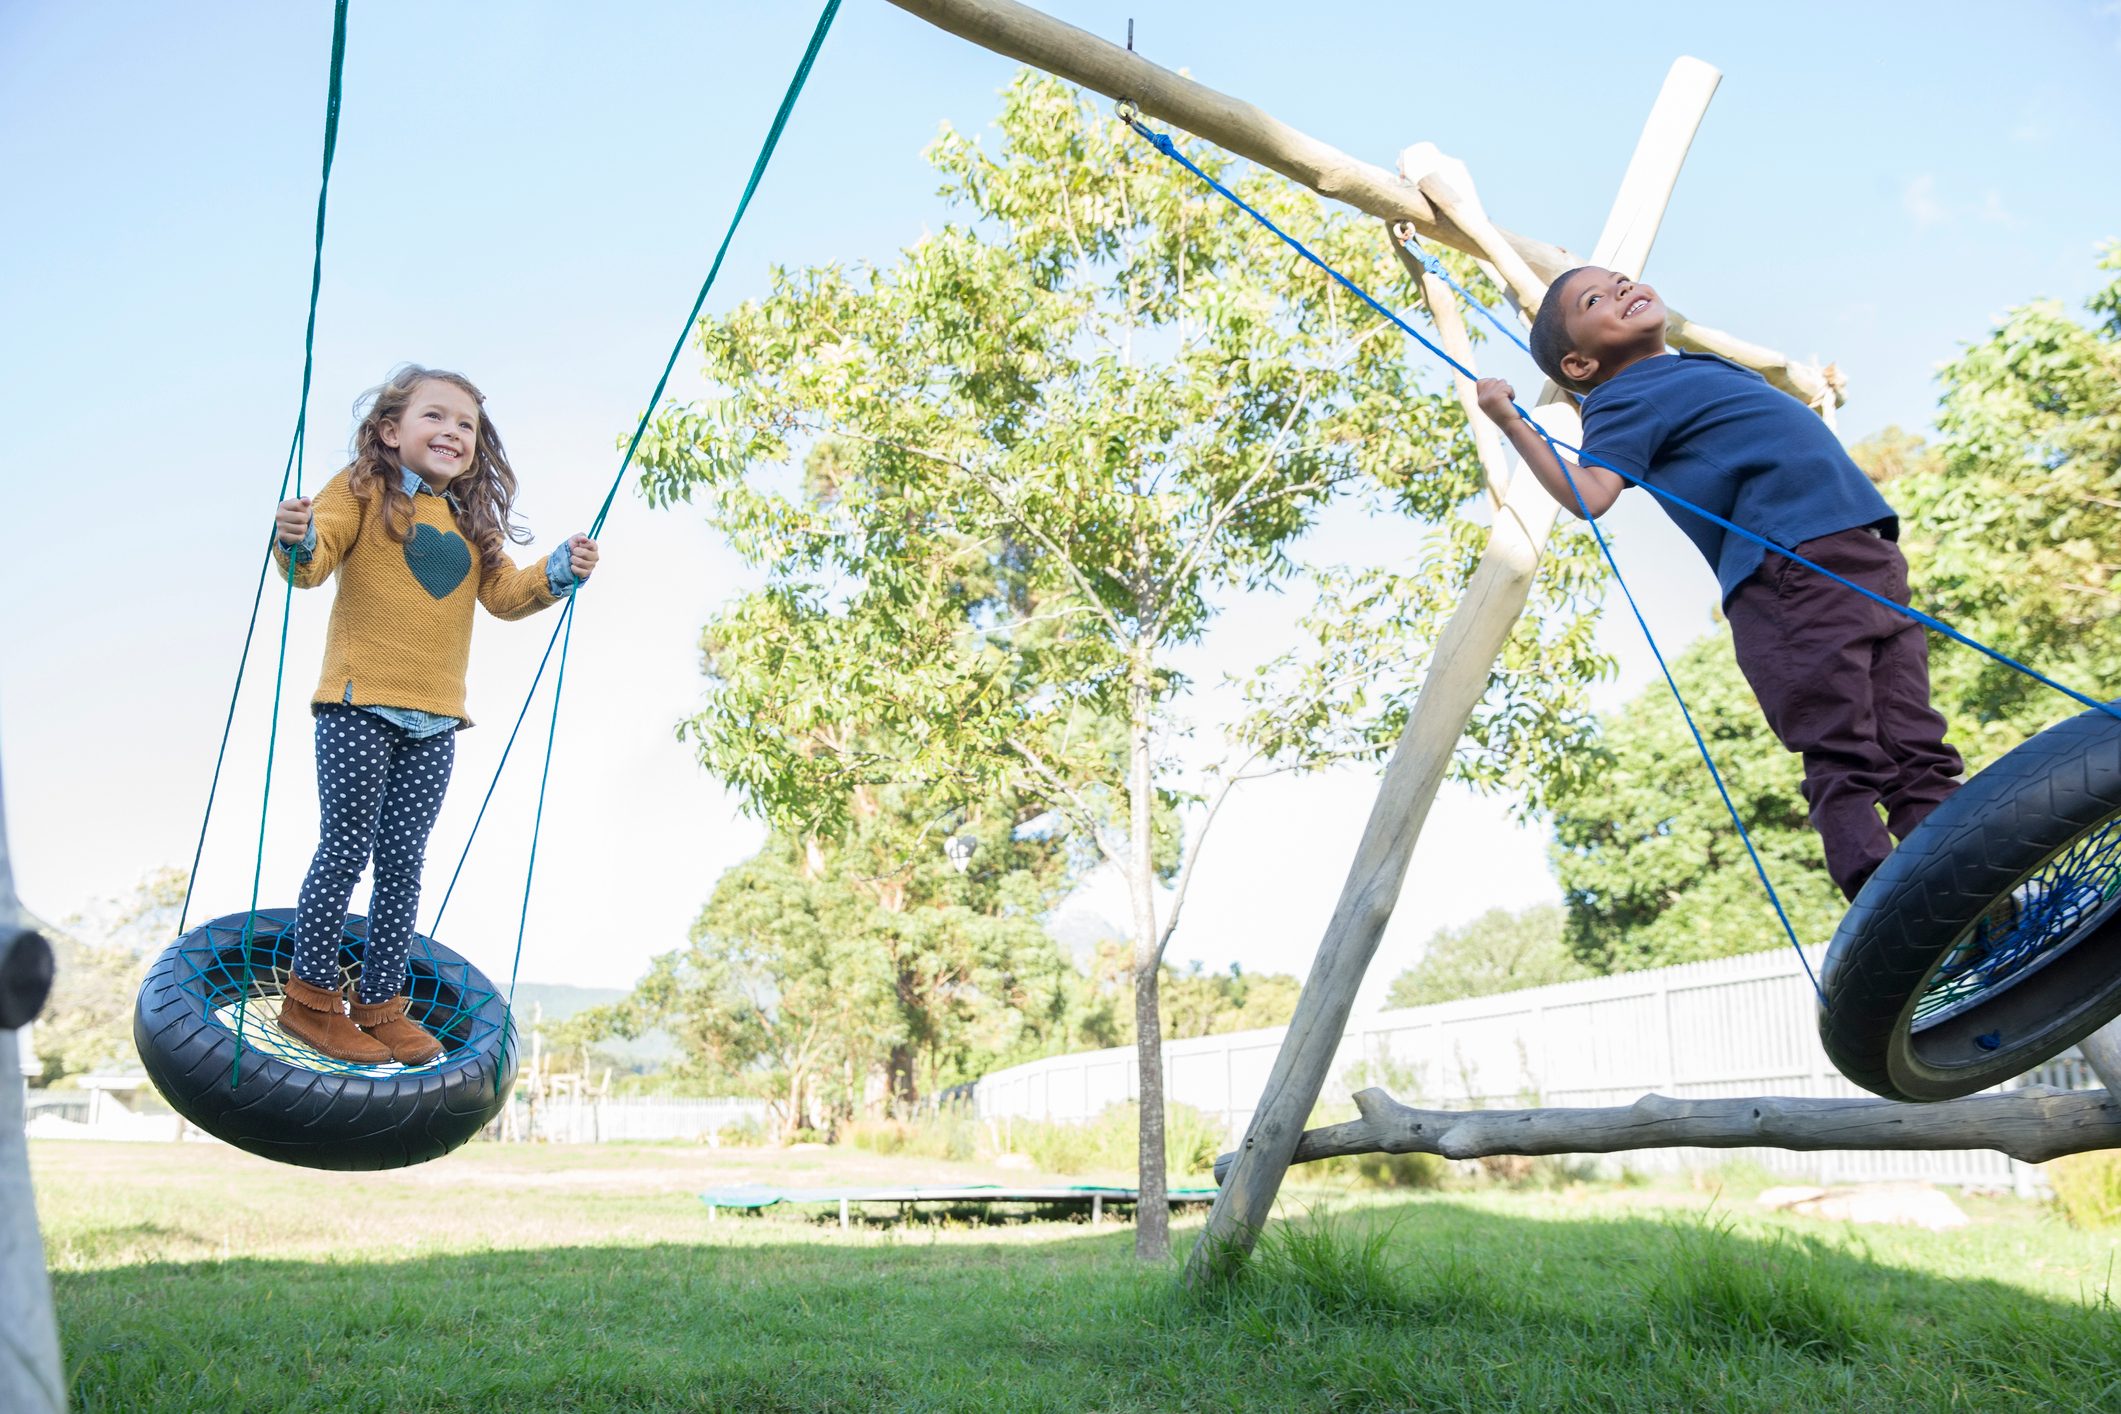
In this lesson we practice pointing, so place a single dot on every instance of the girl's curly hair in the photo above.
(485, 492)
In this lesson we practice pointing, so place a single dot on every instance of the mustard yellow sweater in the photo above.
(400, 633)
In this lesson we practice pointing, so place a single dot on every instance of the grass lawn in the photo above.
(502, 1279)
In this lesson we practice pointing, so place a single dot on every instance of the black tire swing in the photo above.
(242, 1079)
(1990, 940)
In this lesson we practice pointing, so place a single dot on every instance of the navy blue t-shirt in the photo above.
(1721, 436)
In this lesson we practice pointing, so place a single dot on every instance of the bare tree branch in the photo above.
(987, 484)
(1070, 803)
(1185, 875)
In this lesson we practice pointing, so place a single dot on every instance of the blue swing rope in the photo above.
(562, 632)
(1163, 143)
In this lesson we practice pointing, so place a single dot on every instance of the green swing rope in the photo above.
(563, 631)
(293, 472)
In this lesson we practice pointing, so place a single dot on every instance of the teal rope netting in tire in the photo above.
(563, 632)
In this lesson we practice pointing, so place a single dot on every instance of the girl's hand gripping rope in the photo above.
(581, 556)
(291, 521)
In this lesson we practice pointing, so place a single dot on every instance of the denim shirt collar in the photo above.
(416, 485)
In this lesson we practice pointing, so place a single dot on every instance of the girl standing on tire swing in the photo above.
(415, 530)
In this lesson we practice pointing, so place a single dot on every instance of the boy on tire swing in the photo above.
(1843, 681)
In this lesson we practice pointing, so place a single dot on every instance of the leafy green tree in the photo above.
(815, 974)
(1500, 951)
(99, 958)
(1650, 869)
(779, 995)
(997, 487)
(2012, 527)
(2016, 538)
(1202, 1003)
(87, 1023)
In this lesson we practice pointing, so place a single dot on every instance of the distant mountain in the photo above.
(559, 1000)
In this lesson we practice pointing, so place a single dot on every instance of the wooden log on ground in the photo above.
(1032, 37)
(2034, 1125)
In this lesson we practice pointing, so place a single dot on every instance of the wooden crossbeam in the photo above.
(1032, 37)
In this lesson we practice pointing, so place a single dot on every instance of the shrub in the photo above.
(950, 1137)
(1382, 1170)
(1547, 1172)
(2088, 1188)
(746, 1133)
(1112, 1141)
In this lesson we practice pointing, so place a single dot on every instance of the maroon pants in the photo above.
(1844, 682)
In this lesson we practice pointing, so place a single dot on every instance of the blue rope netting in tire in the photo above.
(1990, 940)
(292, 1103)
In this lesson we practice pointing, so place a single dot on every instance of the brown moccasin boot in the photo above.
(409, 1042)
(318, 1019)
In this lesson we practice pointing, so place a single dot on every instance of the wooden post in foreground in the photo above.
(1458, 677)
(30, 1380)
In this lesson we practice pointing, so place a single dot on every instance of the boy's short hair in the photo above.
(1550, 332)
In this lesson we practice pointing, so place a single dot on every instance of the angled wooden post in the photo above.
(30, 1380)
(2102, 1050)
(1459, 669)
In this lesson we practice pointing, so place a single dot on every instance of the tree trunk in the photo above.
(1152, 1212)
(898, 1070)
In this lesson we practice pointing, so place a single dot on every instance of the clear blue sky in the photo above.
(530, 192)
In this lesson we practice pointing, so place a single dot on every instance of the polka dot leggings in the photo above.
(380, 790)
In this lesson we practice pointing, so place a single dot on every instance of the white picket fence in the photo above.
(1732, 1027)
(587, 1120)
